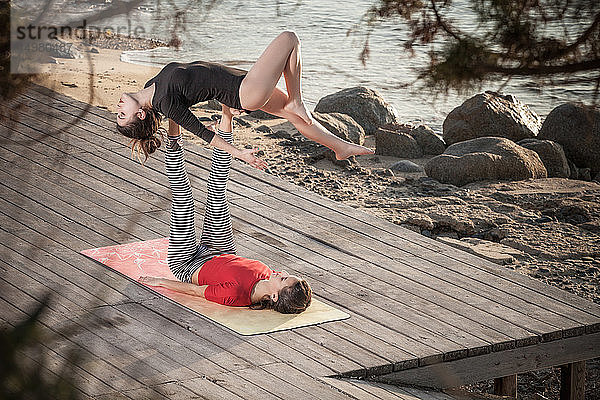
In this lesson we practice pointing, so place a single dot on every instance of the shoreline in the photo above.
(511, 214)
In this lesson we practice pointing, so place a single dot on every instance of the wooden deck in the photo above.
(422, 313)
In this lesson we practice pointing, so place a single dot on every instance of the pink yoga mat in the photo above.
(149, 258)
(137, 259)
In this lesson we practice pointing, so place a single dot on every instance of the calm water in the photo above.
(236, 32)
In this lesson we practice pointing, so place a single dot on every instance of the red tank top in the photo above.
(230, 279)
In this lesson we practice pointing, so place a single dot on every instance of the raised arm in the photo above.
(181, 287)
(185, 118)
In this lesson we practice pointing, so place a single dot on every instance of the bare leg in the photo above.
(315, 131)
(282, 55)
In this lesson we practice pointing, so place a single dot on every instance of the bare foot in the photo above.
(352, 149)
(300, 110)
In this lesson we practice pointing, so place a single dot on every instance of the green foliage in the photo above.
(24, 363)
(554, 41)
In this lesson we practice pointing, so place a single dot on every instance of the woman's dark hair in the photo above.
(145, 134)
(292, 299)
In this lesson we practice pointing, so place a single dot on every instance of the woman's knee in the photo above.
(291, 36)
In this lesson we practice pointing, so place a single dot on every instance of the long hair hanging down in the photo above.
(146, 134)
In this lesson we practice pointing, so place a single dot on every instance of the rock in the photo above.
(94, 50)
(577, 128)
(265, 129)
(342, 126)
(494, 252)
(573, 170)
(280, 134)
(406, 166)
(584, 174)
(213, 104)
(364, 105)
(491, 114)
(260, 114)
(487, 158)
(397, 144)
(551, 154)
(426, 139)
(243, 123)
(347, 163)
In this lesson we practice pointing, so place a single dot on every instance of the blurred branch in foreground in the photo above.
(549, 40)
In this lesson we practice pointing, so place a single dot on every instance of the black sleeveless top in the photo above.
(181, 85)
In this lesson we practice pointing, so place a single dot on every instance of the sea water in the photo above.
(235, 33)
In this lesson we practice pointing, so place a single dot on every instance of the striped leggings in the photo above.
(185, 255)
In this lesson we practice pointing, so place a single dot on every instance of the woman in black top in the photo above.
(180, 85)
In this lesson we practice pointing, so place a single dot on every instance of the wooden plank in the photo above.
(506, 386)
(412, 269)
(59, 145)
(305, 382)
(195, 340)
(398, 288)
(154, 340)
(94, 362)
(87, 383)
(572, 381)
(479, 368)
(131, 356)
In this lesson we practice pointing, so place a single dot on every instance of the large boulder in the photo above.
(551, 154)
(427, 140)
(342, 126)
(487, 158)
(491, 114)
(577, 128)
(364, 105)
(396, 143)
(407, 141)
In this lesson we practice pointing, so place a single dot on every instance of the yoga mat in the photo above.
(150, 258)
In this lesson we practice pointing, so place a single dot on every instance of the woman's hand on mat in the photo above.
(150, 280)
(248, 155)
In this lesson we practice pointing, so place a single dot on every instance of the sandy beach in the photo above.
(528, 226)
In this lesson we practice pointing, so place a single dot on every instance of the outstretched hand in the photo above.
(149, 280)
(249, 156)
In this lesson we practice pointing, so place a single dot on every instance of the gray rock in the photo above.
(364, 105)
(342, 126)
(491, 114)
(280, 134)
(573, 170)
(551, 154)
(211, 104)
(426, 138)
(584, 174)
(487, 158)
(260, 114)
(494, 252)
(406, 166)
(265, 129)
(243, 123)
(94, 50)
(397, 144)
(577, 128)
